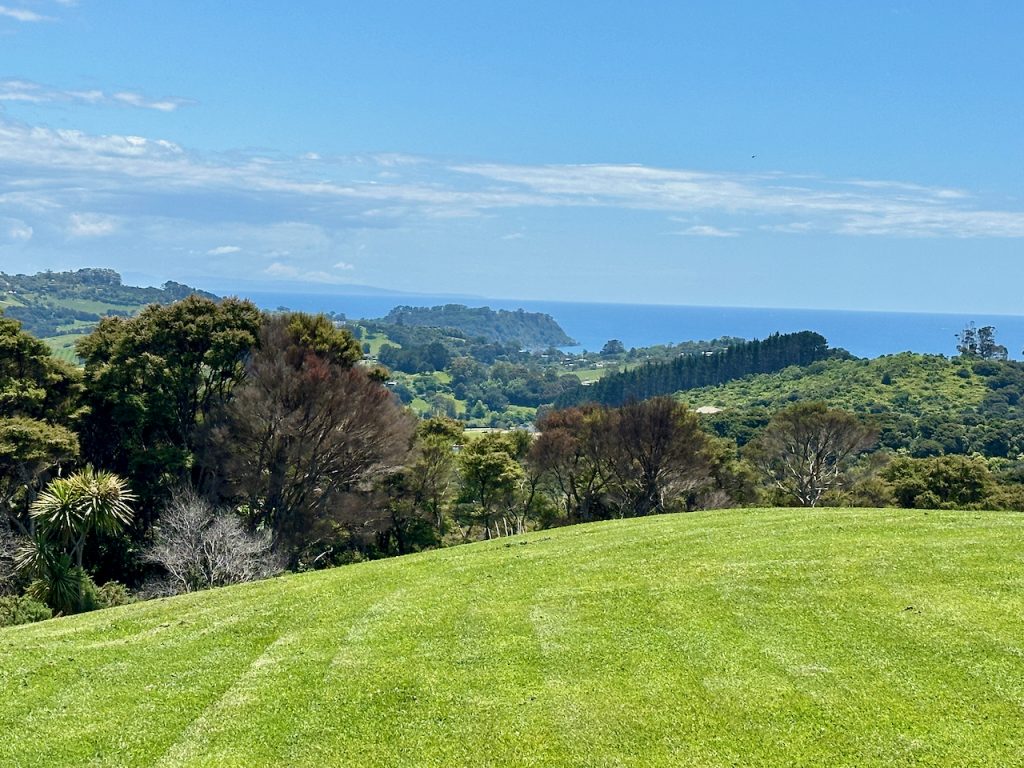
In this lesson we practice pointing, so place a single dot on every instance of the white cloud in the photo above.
(14, 231)
(704, 230)
(298, 216)
(223, 250)
(344, 265)
(29, 92)
(91, 225)
(22, 14)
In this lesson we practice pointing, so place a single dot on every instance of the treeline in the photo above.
(48, 303)
(533, 330)
(691, 371)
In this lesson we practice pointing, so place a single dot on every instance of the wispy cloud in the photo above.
(705, 230)
(91, 225)
(22, 14)
(223, 250)
(290, 218)
(14, 231)
(29, 92)
(292, 273)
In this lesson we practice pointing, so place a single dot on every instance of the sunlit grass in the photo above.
(754, 638)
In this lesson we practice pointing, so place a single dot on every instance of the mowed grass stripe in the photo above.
(752, 637)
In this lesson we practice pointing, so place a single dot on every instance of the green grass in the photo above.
(63, 347)
(753, 638)
(99, 307)
(918, 384)
(376, 341)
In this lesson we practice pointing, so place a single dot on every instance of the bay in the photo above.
(865, 334)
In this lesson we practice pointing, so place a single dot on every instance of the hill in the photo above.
(688, 371)
(755, 638)
(60, 306)
(928, 404)
(533, 330)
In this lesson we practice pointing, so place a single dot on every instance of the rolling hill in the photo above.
(58, 307)
(755, 638)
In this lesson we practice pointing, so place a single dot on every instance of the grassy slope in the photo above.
(928, 382)
(784, 637)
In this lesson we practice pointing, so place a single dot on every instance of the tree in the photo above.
(805, 448)
(569, 454)
(657, 449)
(613, 347)
(30, 450)
(304, 428)
(65, 513)
(941, 482)
(201, 547)
(151, 380)
(980, 343)
(38, 403)
(491, 475)
(88, 501)
(432, 472)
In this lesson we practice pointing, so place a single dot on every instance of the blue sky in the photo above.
(859, 155)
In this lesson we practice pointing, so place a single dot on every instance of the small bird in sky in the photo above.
(752, 157)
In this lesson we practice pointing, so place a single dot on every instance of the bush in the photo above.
(22, 610)
(110, 595)
(200, 546)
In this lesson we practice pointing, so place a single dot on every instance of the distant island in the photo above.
(532, 330)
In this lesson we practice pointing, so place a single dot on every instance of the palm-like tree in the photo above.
(65, 514)
(87, 501)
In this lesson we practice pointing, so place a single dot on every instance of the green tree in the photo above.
(152, 379)
(941, 482)
(66, 513)
(39, 400)
(491, 475)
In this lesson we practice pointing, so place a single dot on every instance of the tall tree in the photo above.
(658, 449)
(152, 379)
(39, 400)
(304, 428)
(491, 476)
(805, 449)
(570, 454)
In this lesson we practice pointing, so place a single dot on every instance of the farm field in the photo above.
(754, 637)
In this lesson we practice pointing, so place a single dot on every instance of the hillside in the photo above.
(533, 330)
(59, 307)
(756, 638)
(929, 403)
(689, 371)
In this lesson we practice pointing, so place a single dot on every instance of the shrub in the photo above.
(22, 610)
(201, 547)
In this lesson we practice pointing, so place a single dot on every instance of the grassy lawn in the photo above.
(376, 341)
(751, 638)
(63, 347)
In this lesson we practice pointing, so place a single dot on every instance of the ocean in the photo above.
(865, 334)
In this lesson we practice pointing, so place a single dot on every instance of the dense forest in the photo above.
(533, 330)
(691, 371)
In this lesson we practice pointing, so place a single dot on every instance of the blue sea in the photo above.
(865, 334)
